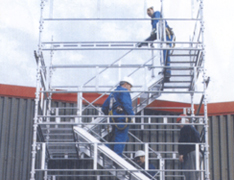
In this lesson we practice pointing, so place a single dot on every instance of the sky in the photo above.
(19, 35)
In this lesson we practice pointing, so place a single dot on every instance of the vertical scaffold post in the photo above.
(50, 74)
(206, 149)
(43, 160)
(78, 120)
(163, 24)
(142, 119)
(161, 161)
(160, 36)
(192, 108)
(43, 155)
(35, 124)
(146, 156)
(95, 156)
(197, 157)
(41, 27)
(34, 144)
(153, 63)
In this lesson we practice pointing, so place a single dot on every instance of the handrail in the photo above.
(109, 153)
(119, 19)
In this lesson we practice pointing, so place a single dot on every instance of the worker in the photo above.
(140, 160)
(119, 103)
(187, 153)
(153, 36)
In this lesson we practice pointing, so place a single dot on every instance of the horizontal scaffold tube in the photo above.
(118, 48)
(120, 19)
(123, 66)
(95, 91)
(131, 116)
(117, 42)
(73, 123)
(157, 143)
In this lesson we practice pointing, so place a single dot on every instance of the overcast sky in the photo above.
(19, 34)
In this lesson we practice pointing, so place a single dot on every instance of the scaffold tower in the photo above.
(85, 49)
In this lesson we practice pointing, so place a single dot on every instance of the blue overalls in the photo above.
(153, 37)
(123, 100)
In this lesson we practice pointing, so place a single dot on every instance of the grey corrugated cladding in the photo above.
(16, 123)
(16, 137)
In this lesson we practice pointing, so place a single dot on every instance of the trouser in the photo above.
(166, 57)
(190, 164)
(118, 137)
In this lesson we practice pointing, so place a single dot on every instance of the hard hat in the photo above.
(128, 80)
(139, 153)
(181, 118)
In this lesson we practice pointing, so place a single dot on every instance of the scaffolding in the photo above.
(69, 64)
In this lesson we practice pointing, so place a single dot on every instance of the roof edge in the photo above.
(220, 108)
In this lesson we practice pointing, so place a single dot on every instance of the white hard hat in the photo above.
(128, 80)
(139, 153)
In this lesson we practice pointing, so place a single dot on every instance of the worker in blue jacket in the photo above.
(153, 36)
(140, 160)
(119, 103)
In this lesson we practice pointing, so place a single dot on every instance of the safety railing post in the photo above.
(146, 156)
(142, 120)
(162, 173)
(78, 120)
(192, 108)
(43, 155)
(197, 157)
(95, 157)
(153, 63)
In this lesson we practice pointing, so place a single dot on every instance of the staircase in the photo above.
(98, 148)
(64, 131)
(184, 70)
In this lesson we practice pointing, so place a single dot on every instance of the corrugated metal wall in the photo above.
(221, 140)
(16, 137)
(16, 122)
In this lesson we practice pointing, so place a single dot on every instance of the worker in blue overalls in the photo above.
(153, 36)
(119, 103)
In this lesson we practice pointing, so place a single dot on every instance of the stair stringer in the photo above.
(135, 174)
